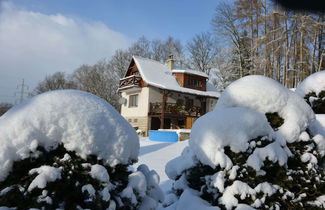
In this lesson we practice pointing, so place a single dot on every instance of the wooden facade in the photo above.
(132, 78)
(191, 81)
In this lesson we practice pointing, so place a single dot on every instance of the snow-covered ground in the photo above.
(156, 154)
(237, 140)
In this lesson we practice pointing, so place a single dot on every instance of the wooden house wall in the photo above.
(182, 80)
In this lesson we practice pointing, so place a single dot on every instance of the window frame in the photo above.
(134, 100)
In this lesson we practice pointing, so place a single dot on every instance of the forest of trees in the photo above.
(265, 39)
(246, 37)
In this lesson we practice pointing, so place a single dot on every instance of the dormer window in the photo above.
(193, 82)
(191, 79)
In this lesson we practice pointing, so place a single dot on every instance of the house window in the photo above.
(188, 81)
(133, 101)
(193, 82)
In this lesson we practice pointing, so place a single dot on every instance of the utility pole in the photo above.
(21, 92)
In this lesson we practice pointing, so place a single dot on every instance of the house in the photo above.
(156, 95)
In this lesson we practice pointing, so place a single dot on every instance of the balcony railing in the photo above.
(175, 109)
(130, 81)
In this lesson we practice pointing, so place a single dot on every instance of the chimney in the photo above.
(170, 62)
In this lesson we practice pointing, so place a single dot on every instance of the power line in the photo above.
(21, 92)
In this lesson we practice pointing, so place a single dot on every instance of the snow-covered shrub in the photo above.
(312, 89)
(70, 149)
(267, 96)
(253, 151)
(140, 132)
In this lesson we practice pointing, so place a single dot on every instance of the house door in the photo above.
(155, 123)
(189, 122)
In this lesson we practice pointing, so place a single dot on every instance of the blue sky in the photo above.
(40, 37)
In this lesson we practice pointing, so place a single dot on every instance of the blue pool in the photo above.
(163, 136)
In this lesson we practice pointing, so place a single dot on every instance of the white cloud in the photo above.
(33, 45)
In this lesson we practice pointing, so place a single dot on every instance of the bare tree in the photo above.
(268, 40)
(202, 50)
(226, 24)
(158, 50)
(98, 79)
(56, 81)
(225, 70)
(173, 47)
(120, 62)
(141, 48)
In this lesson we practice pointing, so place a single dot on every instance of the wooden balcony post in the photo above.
(162, 116)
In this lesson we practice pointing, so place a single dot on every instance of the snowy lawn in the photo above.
(156, 154)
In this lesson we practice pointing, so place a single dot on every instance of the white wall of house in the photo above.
(142, 108)
(136, 116)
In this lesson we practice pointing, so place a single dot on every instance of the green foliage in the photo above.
(318, 102)
(321, 94)
(66, 192)
(319, 106)
(274, 119)
(194, 175)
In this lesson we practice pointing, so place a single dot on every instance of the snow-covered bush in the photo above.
(253, 151)
(70, 149)
(269, 97)
(312, 89)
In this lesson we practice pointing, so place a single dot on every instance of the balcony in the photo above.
(130, 81)
(175, 109)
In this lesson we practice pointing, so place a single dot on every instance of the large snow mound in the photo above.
(234, 128)
(82, 122)
(266, 95)
(313, 83)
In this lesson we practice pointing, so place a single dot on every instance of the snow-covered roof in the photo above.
(188, 71)
(158, 75)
